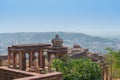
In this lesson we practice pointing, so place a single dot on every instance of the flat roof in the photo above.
(31, 45)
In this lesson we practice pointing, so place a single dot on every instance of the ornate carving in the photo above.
(57, 41)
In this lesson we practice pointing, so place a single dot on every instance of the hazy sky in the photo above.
(95, 17)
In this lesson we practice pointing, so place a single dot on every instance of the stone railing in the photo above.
(12, 74)
(50, 76)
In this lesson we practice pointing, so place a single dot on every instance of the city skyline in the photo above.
(101, 17)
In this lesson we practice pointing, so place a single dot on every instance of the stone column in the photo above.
(24, 62)
(17, 59)
(9, 55)
(9, 59)
(31, 56)
(13, 59)
(21, 62)
(49, 62)
(15, 54)
(41, 59)
(29, 59)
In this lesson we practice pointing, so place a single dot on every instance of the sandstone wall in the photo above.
(50, 76)
(10, 74)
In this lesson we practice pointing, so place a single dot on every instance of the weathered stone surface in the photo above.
(21, 50)
(50, 76)
(12, 74)
(9, 74)
(57, 41)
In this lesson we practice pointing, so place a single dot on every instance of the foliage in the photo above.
(78, 69)
(113, 60)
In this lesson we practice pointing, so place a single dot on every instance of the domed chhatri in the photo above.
(57, 41)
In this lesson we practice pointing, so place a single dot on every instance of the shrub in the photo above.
(78, 69)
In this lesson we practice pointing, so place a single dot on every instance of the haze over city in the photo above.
(59, 39)
(93, 17)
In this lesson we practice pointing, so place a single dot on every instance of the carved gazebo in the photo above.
(17, 53)
(56, 49)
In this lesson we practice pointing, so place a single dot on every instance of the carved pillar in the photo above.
(17, 59)
(20, 55)
(9, 59)
(9, 55)
(15, 54)
(21, 60)
(31, 56)
(29, 59)
(24, 62)
(13, 59)
(49, 62)
(41, 61)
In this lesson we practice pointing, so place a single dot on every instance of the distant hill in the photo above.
(95, 44)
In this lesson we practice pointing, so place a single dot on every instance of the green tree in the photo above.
(78, 69)
(113, 60)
